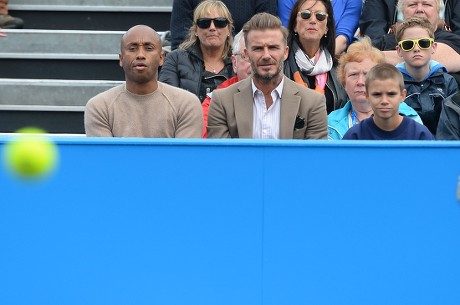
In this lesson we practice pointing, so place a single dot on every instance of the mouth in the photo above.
(140, 66)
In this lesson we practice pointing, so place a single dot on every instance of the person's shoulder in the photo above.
(241, 85)
(295, 88)
(107, 96)
(176, 94)
(421, 132)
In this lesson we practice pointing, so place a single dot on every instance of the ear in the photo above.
(120, 58)
(234, 63)
(286, 53)
(162, 57)
(435, 46)
(399, 51)
(403, 95)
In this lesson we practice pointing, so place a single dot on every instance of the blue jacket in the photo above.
(337, 121)
(426, 97)
(346, 15)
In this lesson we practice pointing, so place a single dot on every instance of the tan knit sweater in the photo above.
(169, 112)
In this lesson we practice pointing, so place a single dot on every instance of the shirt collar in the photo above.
(278, 89)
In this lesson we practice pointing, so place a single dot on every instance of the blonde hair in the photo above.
(412, 22)
(201, 10)
(358, 52)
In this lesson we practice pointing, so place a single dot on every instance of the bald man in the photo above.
(143, 106)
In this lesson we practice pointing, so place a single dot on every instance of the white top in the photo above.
(266, 122)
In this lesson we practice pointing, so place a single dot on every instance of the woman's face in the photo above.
(311, 30)
(212, 37)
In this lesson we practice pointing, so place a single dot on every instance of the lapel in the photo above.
(290, 104)
(243, 103)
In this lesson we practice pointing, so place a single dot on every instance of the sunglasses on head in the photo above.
(320, 15)
(204, 23)
(423, 43)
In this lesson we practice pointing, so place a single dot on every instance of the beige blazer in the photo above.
(231, 112)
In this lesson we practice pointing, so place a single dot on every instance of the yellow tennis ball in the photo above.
(30, 155)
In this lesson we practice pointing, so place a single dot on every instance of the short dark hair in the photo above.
(264, 21)
(382, 72)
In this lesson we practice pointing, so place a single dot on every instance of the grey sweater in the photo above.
(168, 112)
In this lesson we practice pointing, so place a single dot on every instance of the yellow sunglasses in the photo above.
(408, 44)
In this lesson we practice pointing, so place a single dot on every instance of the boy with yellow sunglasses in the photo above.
(426, 81)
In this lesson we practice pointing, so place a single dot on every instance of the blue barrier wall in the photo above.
(176, 222)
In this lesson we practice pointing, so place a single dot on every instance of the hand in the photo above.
(2, 34)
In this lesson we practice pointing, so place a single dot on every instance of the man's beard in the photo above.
(267, 78)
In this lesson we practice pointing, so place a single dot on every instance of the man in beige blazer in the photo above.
(267, 105)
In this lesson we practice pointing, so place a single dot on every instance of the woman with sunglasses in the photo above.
(311, 61)
(203, 61)
(346, 17)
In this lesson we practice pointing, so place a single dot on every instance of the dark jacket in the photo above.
(449, 121)
(184, 69)
(426, 97)
(332, 84)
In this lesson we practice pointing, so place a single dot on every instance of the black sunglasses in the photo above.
(320, 15)
(423, 43)
(205, 23)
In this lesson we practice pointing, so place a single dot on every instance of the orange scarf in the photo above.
(320, 81)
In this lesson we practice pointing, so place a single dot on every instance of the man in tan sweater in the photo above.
(143, 106)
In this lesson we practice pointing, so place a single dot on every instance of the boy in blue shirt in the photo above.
(385, 91)
(426, 81)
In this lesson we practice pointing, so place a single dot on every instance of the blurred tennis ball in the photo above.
(30, 155)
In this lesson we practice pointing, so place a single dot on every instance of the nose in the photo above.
(140, 53)
(419, 8)
(266, 53)
(212, 26)
(384, 101)
(361, 79)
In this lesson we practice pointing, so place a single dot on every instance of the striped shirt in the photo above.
(266, 122)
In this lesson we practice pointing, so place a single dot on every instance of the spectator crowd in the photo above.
(305, 69)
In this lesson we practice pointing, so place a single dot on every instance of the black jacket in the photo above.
(184, 69)
(449, 121)
(333, 85)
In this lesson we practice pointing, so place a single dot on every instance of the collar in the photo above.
(278, 89)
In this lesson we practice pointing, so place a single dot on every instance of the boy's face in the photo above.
(417, 57)
(384, 96)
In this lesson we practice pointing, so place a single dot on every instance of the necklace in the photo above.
(212, 67)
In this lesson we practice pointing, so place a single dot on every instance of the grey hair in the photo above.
(236, 42)
(439, 6)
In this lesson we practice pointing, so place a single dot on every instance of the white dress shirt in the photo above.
(266, 122)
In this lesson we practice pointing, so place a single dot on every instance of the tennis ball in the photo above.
(30, 155)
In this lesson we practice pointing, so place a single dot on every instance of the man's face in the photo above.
(417, 57)
(422, 8)
(355, 78)
(141, 55)
(384, 96)
(266, 51)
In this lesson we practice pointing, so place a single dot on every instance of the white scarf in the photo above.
(322, 65)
